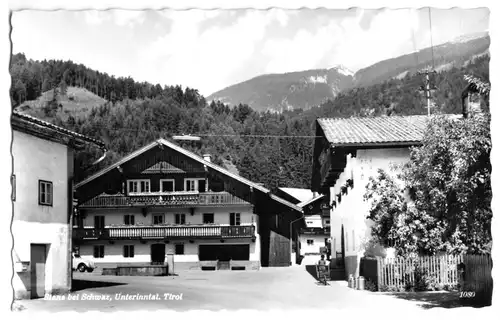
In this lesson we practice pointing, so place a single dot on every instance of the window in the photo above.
(208, 218)
(310, 242)
(13, 182)
(45, 192)
(99, 251)
(327, 221)
(167, 185)
(234, 219)
(190, 185)
(129, 219)
(99, 222)
(195, 184)
(179, 248)
(180, 218)
(138, 186)
(158, 219)
(128, 251)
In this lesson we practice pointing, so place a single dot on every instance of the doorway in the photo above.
(38, 259)
(158, 253)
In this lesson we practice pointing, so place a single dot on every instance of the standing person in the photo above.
(322, 270)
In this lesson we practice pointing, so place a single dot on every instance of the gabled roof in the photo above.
(193, 156)
(366, 131)
(298, 193)
(305, 203)
(32, 125)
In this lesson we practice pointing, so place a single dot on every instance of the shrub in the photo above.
(392, 288)
(422, 281)
(371, 285)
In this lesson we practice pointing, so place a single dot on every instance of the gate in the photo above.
(279, 250)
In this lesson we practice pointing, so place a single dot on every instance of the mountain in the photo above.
(129, 114)
(454, 53)
(305, 89)
(76, 102)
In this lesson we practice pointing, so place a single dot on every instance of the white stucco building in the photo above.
(42, 205)
(351, 151)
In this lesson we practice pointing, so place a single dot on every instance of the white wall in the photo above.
(319, 241)
(352, 210)
(221, 215)
(314, 221)
(38, 159)
(143, 252)
(113, 253)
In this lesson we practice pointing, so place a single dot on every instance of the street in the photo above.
(267, 289)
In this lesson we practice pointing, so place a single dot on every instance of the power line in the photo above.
(432, 45)
(414, 47)
(427, 71)
(216, 135)
(427, 89)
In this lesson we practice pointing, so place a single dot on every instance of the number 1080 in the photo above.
(467, 294)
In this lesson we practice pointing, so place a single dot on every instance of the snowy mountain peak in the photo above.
(342, 70)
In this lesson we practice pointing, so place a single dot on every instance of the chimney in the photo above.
(206, 157)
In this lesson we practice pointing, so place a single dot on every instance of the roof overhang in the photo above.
(48, 131)
(376, 145)
(209, 165)
(308, 202)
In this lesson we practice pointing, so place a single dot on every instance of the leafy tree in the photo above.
(46, 85)
(64, 87)
(20, 91)
(450, 181)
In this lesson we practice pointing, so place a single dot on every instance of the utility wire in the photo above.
(414, 47)
(432, 45)
(214, 135)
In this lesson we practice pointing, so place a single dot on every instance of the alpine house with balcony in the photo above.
(314, 238)
(163, 204)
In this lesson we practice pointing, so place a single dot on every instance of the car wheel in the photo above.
(90, 269)
(82, 267)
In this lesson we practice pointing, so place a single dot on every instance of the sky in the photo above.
(211, 49)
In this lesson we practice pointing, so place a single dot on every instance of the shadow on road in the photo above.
(311, 269)
(430, 300)
(78, 285)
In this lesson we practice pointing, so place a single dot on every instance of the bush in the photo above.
(371, 285)
(451, 287)
(392, 288)
(423, 282)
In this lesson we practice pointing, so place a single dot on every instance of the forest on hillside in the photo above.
(137, 113)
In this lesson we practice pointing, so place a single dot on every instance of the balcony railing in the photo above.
(164, 232)
(172, 199)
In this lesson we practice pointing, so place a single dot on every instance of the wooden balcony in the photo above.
(164, 232)
(172, 199)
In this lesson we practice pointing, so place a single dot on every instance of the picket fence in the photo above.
(440, 270)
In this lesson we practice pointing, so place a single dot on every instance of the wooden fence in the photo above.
(469, 272)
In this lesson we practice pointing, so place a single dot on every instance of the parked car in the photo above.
(82, 264)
